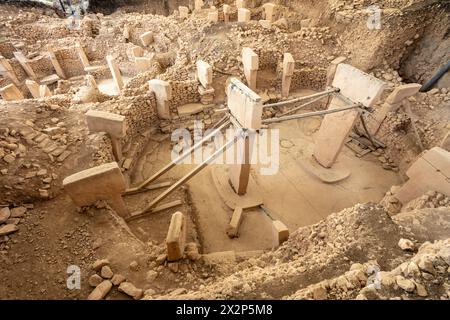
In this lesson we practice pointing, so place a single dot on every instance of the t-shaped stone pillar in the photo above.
(184, 12)
(82, 55)
(176, 237)
(147, 38)
(33, 87)
(56, 65)
(226, 13)
(111, 123)
(357, 86)
(288, 71)
(213, 15)
(251, 64)
(198, 5)
(10, 93)
(104, 182)
(6, 69)
(115, 71)
(163, 94)
(204, 73)
(244, 15)
(25, 65)
(269, 9)
(246, 107)
(240, 4)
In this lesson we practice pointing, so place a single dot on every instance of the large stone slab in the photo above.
(163, 93)
(204, 73)
(244, 104)
(99, 183)
(102, 121)
(176, 237)
(430, 172)
(11, 93)
(358, 87)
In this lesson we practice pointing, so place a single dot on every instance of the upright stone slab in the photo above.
(246, 106)
(176, 237)
(392, 103)
(431, 172)
(163, 94)
(143, 63)
(269, 9)
(82, 55)
(44, 91)
(235, 222)
(250, 61)
(204, 73)
(288, 71)
(33, 87)
(240, 4)
(147, 38)
(198, 5)
(25, 65)
(280, 233)
(111, 123)
(104, 182)
(358, 87)
(11, 93)
(55, 63)
(226, 13)
(184, 12)
(137, 52)
(114, 68)
(244, 15)
(213, 15)
(332, 69)
(7, 70)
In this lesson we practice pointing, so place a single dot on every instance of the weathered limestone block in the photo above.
(56, 65)
(288, 71)
(25, 64)
(115, 71)
(358, 87)
(82, 55)
(44, 91)
(33, 87)
(100, 291)
(250, 61)
(147, 38)
(244, 15)
(184, 12)
(104, 182)
(226, 12)
(280, 233)
(137, 51)
(143, 64)
(111, 123)
(176, 237)
(10, 93)
(163, 94)
(213, 16)
(236, 220)
(332, 69)
(269, 9)
(101, 121)
(240, 4)
(403, 92)
(198, 5)
(204, 73)
(244, 104)
(431, 172)
(7, 70)
(265, 23)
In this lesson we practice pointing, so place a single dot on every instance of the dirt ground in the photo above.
(338, 231)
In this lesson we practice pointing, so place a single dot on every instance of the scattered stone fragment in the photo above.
(405, 284)
(106, 272)
(5, 213)
(406, 244)
(98, 264)
(95, 280)
(101, 290)
(129, 289)
(8, 229)
(117, 279)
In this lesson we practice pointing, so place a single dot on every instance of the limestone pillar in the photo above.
(163, 94)
(251, 64)
(115, 71)
(288, 71)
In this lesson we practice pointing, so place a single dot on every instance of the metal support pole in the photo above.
(312, 96)
(186, 178)
(312, 114)
(177, 160)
